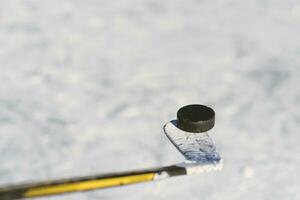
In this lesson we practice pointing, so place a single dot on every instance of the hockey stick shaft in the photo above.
(55, 187)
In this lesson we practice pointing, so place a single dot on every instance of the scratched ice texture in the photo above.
(86, 87)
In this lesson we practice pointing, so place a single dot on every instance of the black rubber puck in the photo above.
(195, 118)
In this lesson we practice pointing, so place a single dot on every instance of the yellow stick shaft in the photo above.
(87, 185)
(56, 187)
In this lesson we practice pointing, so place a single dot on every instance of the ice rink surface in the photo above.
(86, 87)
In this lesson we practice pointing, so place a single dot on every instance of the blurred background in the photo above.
(86, 87)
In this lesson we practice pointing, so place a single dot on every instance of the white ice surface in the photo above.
(86, 87)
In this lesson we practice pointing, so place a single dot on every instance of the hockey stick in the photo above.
(56, 187)
(198, 149)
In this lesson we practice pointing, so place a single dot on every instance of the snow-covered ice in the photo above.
(86, 87)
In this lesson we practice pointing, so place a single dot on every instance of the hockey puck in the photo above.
(195, 118)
